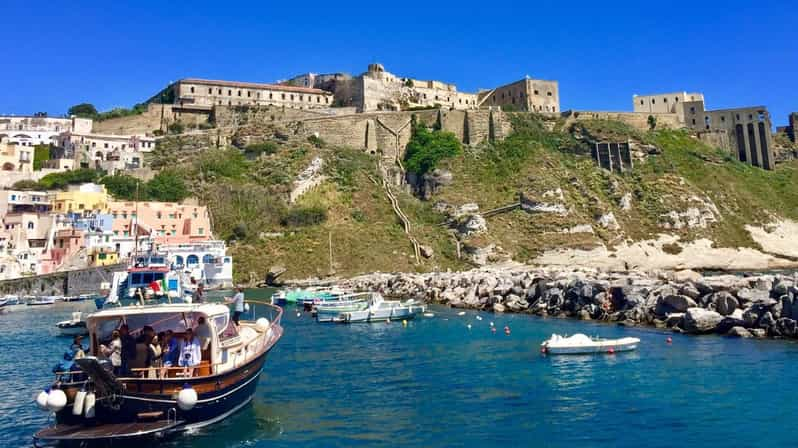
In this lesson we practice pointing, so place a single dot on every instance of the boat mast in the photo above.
(136, 225)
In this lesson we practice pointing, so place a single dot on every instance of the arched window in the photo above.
(30, 225)
(179, 260)
(8, 166)
(192, 260)
(207, 259)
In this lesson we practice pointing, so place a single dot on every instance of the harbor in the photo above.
(449, 380)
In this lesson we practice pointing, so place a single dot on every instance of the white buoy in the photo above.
(56, 400)
(298, 314)
(479, 317)
(88, 405)
(77, 406)
(262, 324)
(461, 313)
(41, 399)
(469, 326)
(187, 398)
(491, 323)
(429, 314)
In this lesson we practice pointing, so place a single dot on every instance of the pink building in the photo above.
(66, 243)
(167, 222)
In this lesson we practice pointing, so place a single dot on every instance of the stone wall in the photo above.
(633, 119)
(70, 283)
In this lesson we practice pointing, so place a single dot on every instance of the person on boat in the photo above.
(238, 304)
(128, 348)
(170, 350)
(190, 352)
(203, 332)
(199, 294)
(139, 296)
(113, 351)
(154, 360)
(76, 349)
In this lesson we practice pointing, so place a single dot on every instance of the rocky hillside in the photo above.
(285, 201)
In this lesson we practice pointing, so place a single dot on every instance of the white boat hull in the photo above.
(580, 344)
(399, 312)
(72, 330)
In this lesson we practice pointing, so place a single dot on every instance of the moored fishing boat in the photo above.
(74, 326)
(333, 310)
(148, 279)
(92, 403)
(381, 310)
(582, 344)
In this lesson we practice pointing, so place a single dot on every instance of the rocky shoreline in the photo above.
(760, 305)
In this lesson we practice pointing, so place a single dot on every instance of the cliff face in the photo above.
(535, 197)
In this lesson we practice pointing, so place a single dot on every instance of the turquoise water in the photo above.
(437, 383)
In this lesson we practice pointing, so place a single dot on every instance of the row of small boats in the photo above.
(331, 305)
(11, 300)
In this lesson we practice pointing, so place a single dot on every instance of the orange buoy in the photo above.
(493, 329)
(611, 351)
(669, 340)
(543, 350)
(506, 330)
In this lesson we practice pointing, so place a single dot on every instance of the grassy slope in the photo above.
(366, 235)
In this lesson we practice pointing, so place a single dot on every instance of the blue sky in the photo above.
(738, 53)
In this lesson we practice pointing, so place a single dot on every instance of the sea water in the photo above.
(435, 382)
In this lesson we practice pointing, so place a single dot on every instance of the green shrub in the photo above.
(61, 180)
(426, 148)
(316, 141)
(157, 132)
(176, 128)
(122, 186)
(358, 215)
(228, 163)
(167, 186)
(41, 153)
(256, 149)
(26, 185)
(304, 216)
(83, 110)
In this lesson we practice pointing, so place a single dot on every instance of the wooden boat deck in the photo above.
(105, 431)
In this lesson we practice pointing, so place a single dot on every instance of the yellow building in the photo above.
(102, 256)
(80, 199)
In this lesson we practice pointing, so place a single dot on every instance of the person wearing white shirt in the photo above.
(190, 353)
(238, 304)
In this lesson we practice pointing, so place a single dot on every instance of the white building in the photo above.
(108, 152)
(37, 130)
(205, 261)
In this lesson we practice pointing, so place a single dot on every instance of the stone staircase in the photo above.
(386, 186)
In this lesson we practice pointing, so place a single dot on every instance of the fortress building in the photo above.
(380, 90)
(744, 132)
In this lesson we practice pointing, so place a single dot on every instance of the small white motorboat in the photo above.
(11, 300)
(581, 344)
(41, 301)
(73, 326)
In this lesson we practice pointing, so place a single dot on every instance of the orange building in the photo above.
(167, 222)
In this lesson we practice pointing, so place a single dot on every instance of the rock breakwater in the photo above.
(762, 305)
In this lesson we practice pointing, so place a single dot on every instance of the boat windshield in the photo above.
(145, 278)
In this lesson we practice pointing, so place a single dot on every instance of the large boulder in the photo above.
(498, 308)
(699, 320)
(724, 303)
(739, 332)
(787, 327)
(474, 224)
(678, 302)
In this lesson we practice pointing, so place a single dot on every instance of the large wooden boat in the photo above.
(91, 403)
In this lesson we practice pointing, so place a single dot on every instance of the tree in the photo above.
(26, 185)
(122, 186)
(426, 148)
(83, 110)
(652, 122)
(167, 186)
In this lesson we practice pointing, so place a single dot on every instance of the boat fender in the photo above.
(262, 324)
(246, 307)
(56, 400)
(88, 405)
(41, 399)
(404, 322)
(187, 398)
(543, 350)
(77, 406)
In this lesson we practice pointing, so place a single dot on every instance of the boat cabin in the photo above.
(226, 346)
